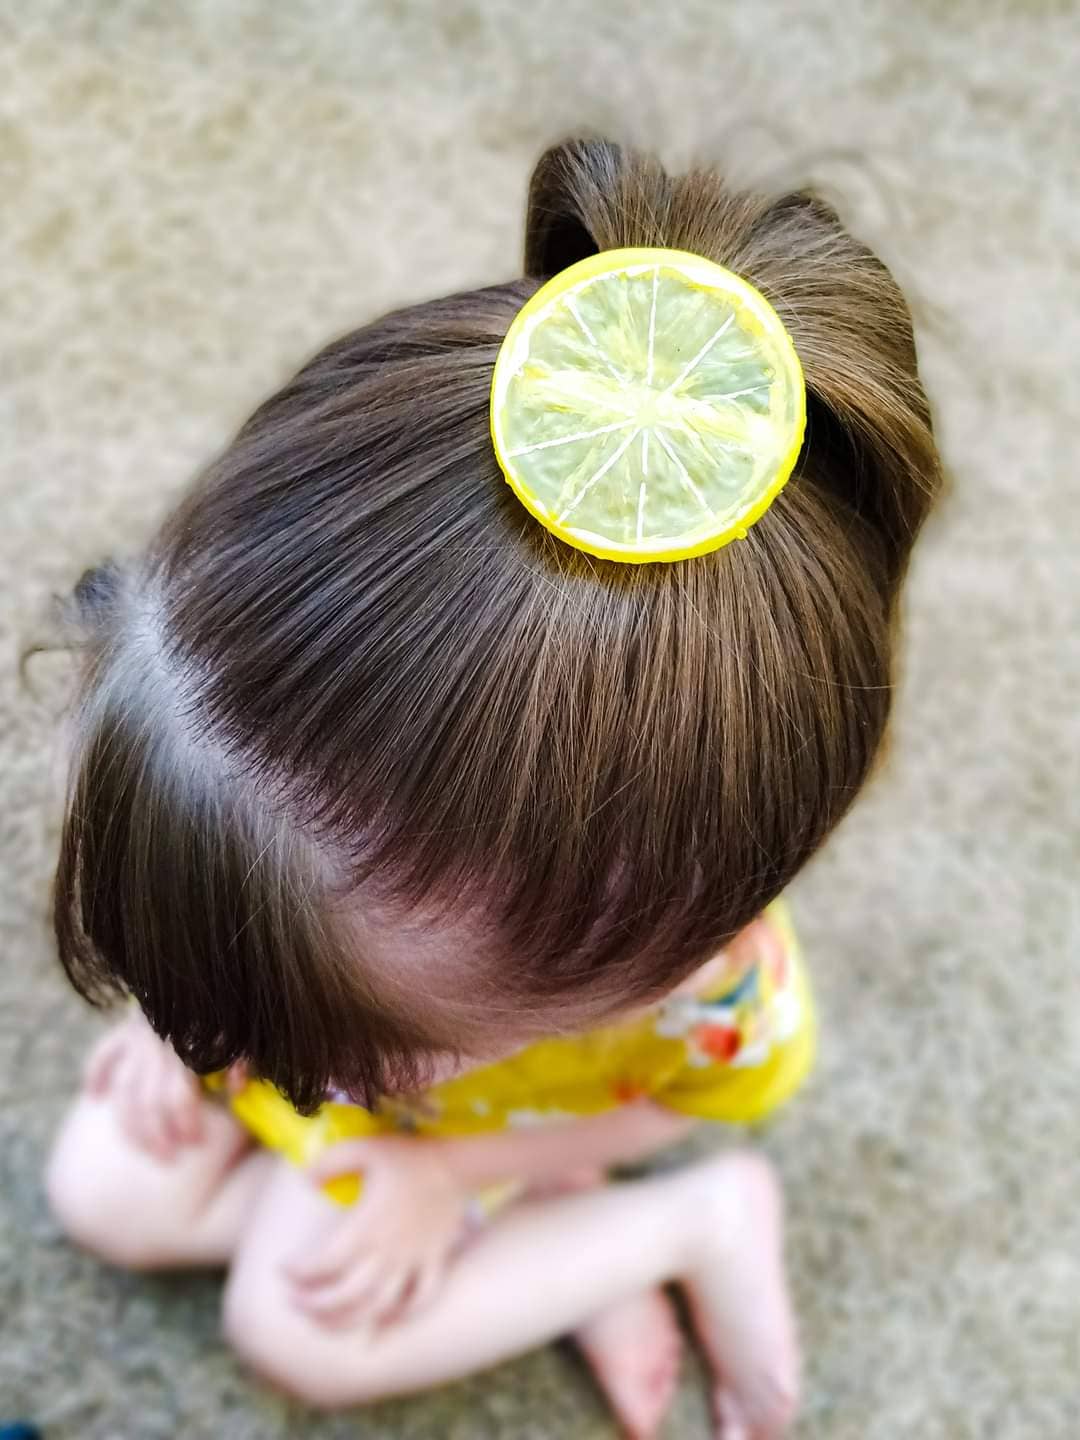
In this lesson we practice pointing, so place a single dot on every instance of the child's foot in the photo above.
(634, 1350)
(741, 1305)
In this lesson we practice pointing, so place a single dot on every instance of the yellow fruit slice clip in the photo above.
(647, 405)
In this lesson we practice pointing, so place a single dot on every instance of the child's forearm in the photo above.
(614, 1137)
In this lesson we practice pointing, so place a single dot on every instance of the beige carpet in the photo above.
(192, 197)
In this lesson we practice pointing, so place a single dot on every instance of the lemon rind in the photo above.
(710, 276)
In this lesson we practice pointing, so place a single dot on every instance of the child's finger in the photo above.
(157, 1100)
(168, 1098)
(347, 1157)
(346, 1297)
(338, 1251)
(386, 1300)
(134, 1088)
(102, 1061)
(425, 1286)
(183, 1106)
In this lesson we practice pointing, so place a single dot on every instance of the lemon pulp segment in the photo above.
(647, 405)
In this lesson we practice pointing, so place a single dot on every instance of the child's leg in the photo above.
(133, 1210)
(744, 1319)
(537, 1272)
(633, 1347)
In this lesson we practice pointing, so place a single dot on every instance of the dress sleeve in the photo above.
(747, 1049)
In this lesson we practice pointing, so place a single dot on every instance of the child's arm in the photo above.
(385, 1256)
(597, 1141)
(594, 1142)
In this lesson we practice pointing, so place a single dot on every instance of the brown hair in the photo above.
(351, 676)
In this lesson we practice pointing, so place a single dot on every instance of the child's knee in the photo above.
(252, 1327)
(89, 1199)
(77, 1198)
(265, 1338)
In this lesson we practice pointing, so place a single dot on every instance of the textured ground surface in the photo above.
(192, 197)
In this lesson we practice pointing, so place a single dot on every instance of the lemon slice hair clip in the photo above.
(647, 405)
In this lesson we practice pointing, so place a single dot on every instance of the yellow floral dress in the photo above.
(731, 1048)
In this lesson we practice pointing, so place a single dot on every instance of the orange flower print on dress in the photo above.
(720, 1042)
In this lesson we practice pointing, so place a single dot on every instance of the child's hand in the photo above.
(156, 1098)
(384, 1258)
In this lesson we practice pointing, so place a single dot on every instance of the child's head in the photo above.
(370, 766)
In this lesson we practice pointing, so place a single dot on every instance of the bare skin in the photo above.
(339, 1321)
(633, 1348)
